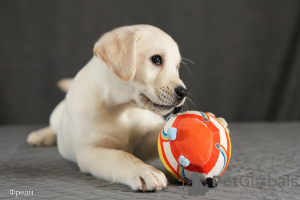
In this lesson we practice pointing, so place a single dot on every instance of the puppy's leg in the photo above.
(42, 137)
(121, 167)
(146, 148)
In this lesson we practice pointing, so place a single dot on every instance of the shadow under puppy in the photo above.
(112, 114)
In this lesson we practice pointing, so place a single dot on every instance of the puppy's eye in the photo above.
(156, 60)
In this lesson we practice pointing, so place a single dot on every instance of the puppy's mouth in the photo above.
(154, 106)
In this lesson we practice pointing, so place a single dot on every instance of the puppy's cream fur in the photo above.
(112, 114)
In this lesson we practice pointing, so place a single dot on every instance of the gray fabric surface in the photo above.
(246, 53)
(259, 148)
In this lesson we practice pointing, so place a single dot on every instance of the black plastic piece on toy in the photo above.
(177, 109)
(211, 183)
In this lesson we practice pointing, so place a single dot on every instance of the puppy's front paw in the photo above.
(42, 137)
(223, 121)
(147, 178)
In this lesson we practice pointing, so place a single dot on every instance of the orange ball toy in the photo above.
(194, 142)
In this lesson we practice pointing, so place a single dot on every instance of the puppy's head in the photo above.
(147, 59)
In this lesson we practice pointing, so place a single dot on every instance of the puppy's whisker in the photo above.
(186, 67)
(185, 107)
(188, 60)
(192, 95)
(190, 100)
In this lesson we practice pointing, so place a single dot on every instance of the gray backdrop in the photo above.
(246, 53)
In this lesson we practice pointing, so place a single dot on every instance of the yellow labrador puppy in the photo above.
(112, 113)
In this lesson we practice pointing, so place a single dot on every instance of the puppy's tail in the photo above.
(64, 84)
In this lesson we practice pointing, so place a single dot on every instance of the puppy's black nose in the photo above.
(181, 92)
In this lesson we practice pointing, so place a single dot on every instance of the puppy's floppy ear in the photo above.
(118, 50)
